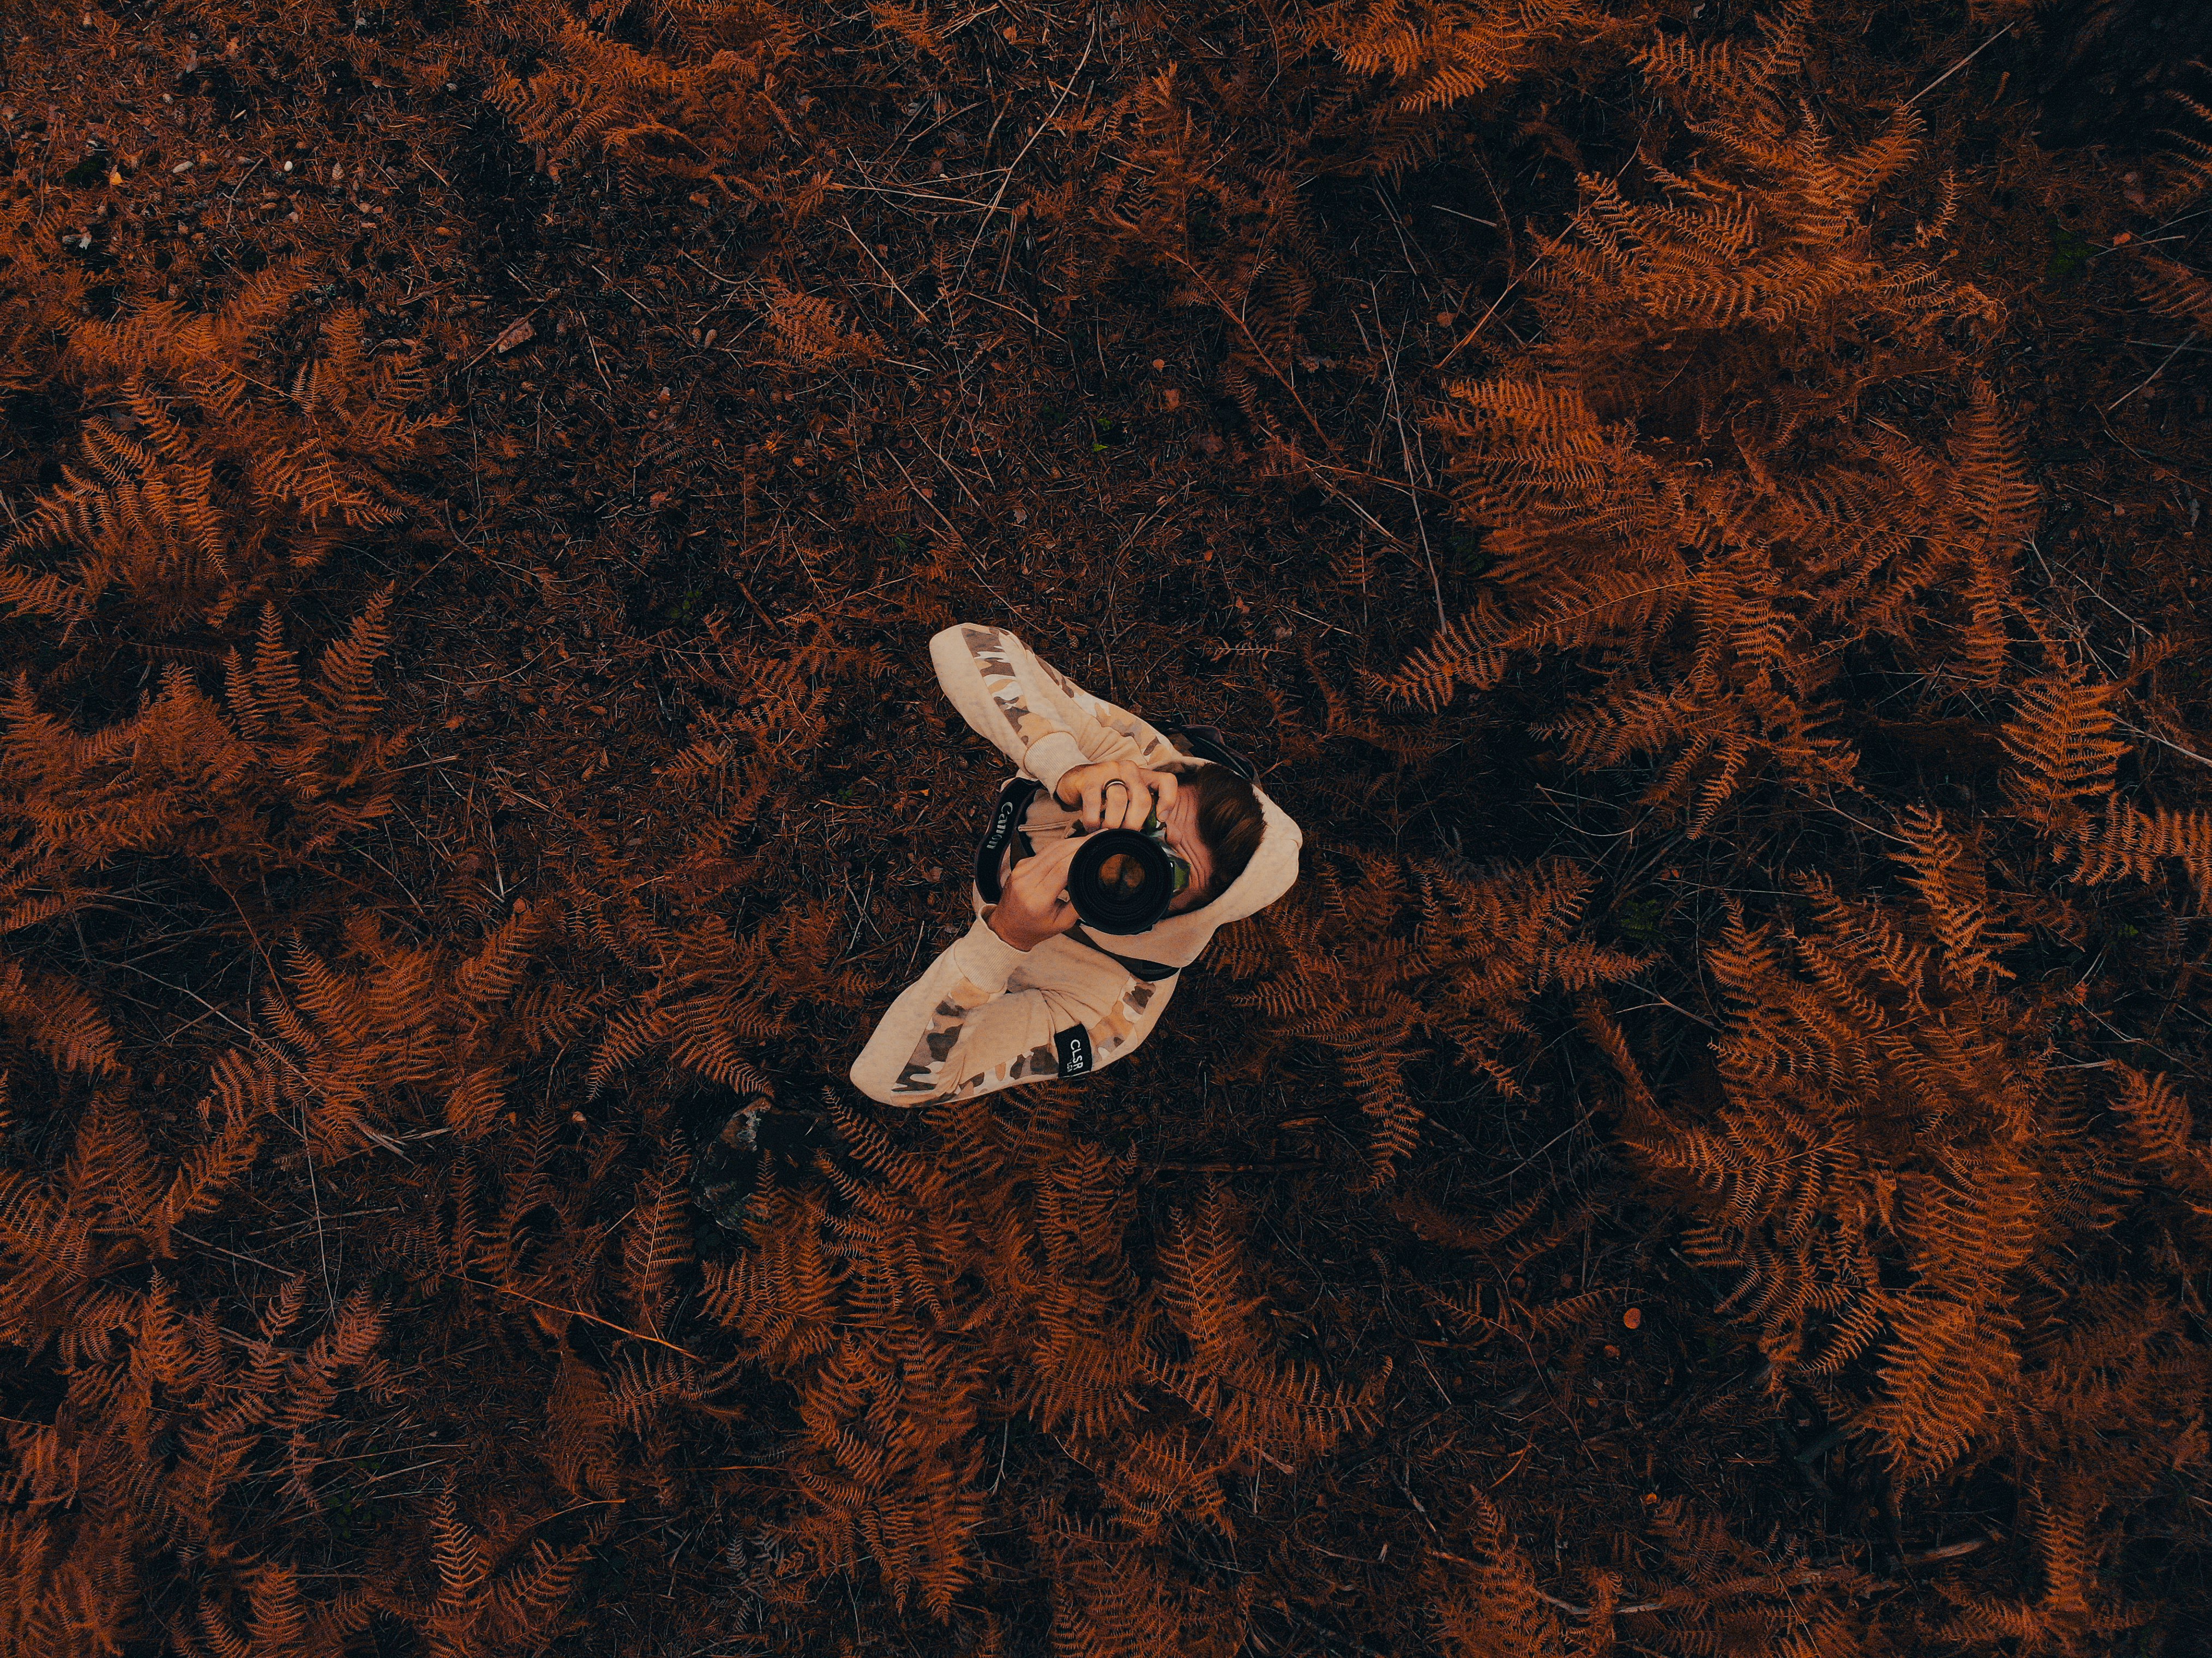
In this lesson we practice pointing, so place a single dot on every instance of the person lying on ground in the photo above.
(1029, 993)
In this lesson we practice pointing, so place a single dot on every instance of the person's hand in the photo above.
(1141, 793)
(1033, 903)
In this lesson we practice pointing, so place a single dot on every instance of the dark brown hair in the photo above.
(1228, 822)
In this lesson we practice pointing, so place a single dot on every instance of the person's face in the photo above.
(1181, 823)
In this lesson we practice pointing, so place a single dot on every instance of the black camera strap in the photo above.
(1014, 797)
(1151, 972)
(1207, 742)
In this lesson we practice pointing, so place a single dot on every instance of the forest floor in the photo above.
(607, 402)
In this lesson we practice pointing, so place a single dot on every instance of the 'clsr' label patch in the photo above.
(1073, 1047)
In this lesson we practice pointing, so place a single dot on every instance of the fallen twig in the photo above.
(885, 268)
(1232, 1168)
(506, 338)
(2154, 373)
(1960, 64)
(1090, 41)
(1405, 450)
(578, 1312)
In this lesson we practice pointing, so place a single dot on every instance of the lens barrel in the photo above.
(1123, 880)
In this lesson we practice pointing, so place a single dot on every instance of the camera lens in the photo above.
(1121, 881)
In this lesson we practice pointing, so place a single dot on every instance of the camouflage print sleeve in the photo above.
(965, 1029)
(1043, 721)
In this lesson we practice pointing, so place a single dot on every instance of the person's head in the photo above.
(1215, 826)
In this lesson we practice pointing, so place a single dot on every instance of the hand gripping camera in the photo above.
(1123, 879)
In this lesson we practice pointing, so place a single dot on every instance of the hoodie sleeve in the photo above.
(963, 1027)
(1041, 720)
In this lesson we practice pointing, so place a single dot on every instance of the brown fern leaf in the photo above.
(346, 682)
(491, 975)
(2062, 747)
(911, 24)
(2160, 1129)
(190, 520)
(1947, 1373)
(57, 1019)
(2133, 842)
(1955, 888)
(2174, 290)
(806, 330)
(1487, 1601)
(658, 1241)
(478, 1095)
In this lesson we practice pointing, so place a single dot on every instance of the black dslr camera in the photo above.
(1124, 879)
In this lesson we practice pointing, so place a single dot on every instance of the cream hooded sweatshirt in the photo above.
(987, 1016)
